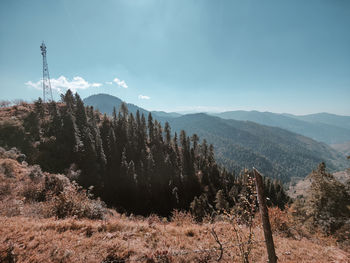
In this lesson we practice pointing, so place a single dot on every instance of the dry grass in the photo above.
(73, 240)
(27, 235)
(16, 112)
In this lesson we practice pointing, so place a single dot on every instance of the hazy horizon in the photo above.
(215, 111)
(176, 56)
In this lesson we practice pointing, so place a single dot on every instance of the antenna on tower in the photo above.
(47, 91)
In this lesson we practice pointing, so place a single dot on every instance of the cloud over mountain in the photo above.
(62, 84)
(120, 83)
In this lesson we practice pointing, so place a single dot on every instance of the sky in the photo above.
(184, 55)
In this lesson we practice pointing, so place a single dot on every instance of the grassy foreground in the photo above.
(46, 218)
(145, 240)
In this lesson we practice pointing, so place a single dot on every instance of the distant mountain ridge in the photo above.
(105, 104)
(323, 127)
(327, 118)
(242, 144)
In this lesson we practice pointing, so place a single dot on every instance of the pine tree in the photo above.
(150, 129)
(220, 201)
(55, 125)
(167, 131)
(327, 203)
(69, 100)
(39, 108)
(31, 124)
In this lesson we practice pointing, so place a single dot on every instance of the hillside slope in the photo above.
(276, 152)
(343, 148)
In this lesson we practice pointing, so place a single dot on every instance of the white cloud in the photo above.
(144, 97)
(62, 84)
(96, 85)
(109, 82)
(121, 83)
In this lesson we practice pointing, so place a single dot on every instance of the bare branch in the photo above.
(218, 241)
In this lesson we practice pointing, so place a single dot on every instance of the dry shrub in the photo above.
(4, 189)
(181, 218)
(112, 259)
(203, 258)
(73, 201)
(343, 236)
(13, 153)
(11, 208)
(26, 190)
(6, 253)
(159, 256)
(55, 184)
(110, 227)
(153, 220)
(118, 254)
(281, 221)
(35, 172)
(60, 255)
(73, 172)
(34, 188)
(7, 168)
(33, 192)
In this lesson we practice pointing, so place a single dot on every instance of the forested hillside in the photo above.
(133, 163)
(276, 152)
(239, 144)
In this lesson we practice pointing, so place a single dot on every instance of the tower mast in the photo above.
(47, 91)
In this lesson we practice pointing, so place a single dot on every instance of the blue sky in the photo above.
(184, 55)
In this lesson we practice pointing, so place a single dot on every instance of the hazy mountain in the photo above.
(166, 114)
(323, 127)
(326, 118)
(276, 152)
(243, 144)
(105, 103)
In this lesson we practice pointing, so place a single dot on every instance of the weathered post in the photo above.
(265, 217)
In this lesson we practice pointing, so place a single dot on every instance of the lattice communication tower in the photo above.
(47, 91)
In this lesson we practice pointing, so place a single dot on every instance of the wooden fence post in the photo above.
(265, 217)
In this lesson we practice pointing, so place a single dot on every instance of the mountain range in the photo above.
(323, 127)
(278, 153)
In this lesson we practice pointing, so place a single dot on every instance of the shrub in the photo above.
(200, 207)
(33, 192)
(281, 221)
(35, 172)
(6, 253)
(4, 189)
(181, 218)
(55, 184)
(74, 201)
(7, 168)
(327, 203)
